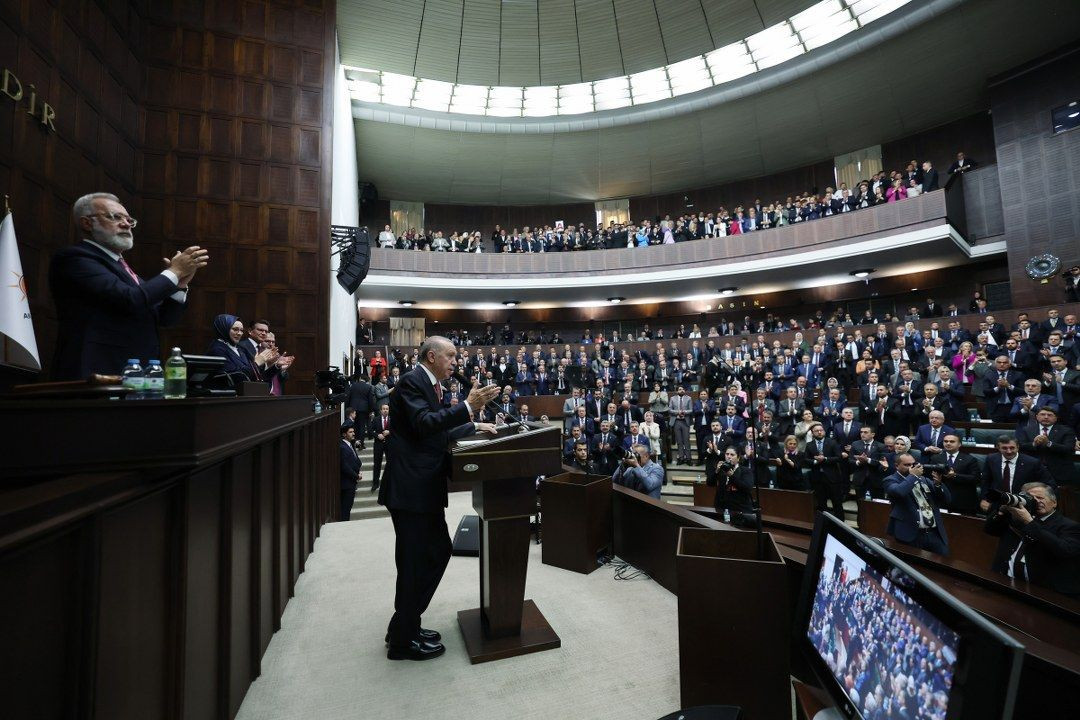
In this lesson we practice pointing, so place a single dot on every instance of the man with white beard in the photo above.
(105, 311)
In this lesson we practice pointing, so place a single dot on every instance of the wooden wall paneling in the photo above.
(43, 650)
(203, 693)
(282, 511)
(296, 536)
(241, 626)
(132, 658)
(265, 586)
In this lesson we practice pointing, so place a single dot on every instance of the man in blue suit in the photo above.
(106, 313)
(928, 439)
(915, 518)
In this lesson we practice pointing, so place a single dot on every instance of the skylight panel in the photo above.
(817, 14)
(397, 89)
(649, 86)
(870, 10)
(433, 95)
(730, 62)
(839, 26)
(541, 100)
(689, 76)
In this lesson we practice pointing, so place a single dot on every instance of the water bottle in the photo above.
(867, 497)
(134, 378)
(316, 407)
(727, 515)
(175, 376)
(154, 383)
(698, 480)
(772, 482)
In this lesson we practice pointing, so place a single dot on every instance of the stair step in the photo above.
(369, 513)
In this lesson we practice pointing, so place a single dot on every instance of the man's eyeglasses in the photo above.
(115, 218)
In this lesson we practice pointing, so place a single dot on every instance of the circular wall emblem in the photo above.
(471, 467)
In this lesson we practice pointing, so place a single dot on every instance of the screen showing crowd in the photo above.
(890, 655)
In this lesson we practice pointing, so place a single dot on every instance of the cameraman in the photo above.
(733, 485)
(1072, 284)
(915, 518)
(638, 472)
(1042, 548)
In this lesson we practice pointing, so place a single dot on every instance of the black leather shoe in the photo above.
(428, 636)
(375, 487)
(416, 650)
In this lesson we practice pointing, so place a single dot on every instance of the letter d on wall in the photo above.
(9, 77)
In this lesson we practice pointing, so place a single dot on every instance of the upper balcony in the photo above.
(913, 235)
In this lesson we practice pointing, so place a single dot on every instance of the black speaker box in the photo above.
(467, 537)
(354, 264)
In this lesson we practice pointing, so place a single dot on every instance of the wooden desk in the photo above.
(147, 556)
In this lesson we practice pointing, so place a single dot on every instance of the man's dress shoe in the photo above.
(415, 650)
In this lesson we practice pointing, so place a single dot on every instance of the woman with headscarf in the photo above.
(230, 331)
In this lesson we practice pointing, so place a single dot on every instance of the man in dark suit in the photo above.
(928, 438)
(1000, 386)
(915, 518)
(350, 469)
(868, 464)
(930, 177)
(606, 448)
(1051, 442)
(380, 430)
(105, 312)
(361, 398)
(963, 477)
(1007, 470)
(414, 489)
(827, 478)
(1044, 549)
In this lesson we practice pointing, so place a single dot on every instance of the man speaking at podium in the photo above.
(414, 489)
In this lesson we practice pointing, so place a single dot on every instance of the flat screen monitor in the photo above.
(886, 642)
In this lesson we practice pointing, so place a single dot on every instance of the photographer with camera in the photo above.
(1038, 544)
(915, 518)
(638, 472)
(1072, 283)
(734, 483)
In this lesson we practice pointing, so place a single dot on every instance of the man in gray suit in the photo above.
(681, 411)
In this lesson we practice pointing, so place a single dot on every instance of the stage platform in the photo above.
(619, 654)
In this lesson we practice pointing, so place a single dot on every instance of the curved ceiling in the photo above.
(543, 42)
(934, 73)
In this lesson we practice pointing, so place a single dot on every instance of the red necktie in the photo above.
(384, 421)
(129, 271)
(438, 392)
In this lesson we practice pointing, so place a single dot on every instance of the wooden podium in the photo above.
(502, 471)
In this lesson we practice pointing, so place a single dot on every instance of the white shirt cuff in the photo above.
(467, 406)
(172, 276)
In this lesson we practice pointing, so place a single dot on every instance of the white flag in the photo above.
(20, 346)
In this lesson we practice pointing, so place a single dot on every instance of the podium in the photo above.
(502, 472)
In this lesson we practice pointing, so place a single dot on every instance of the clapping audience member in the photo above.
(230, 332)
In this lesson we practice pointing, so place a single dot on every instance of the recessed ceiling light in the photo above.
(1072, 115)
(914, 289)
(406, 303)
(511, 303)
(727, 290)
(615, 300)
(862, 273)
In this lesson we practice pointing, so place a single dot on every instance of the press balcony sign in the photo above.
(36, 108)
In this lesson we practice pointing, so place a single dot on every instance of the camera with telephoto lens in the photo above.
(935, 468)
(725, 466)
(1008, 499)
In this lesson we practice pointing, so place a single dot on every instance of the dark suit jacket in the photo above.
(829, 469)
(375, 427)
(964, 485)
(870, 474)
(1057, 456)
(104, 317)
(924, 435)
(904, 517)
(361, 397)
(350, 466)
(1025, 469)
(418, 466)
(1051, 550)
